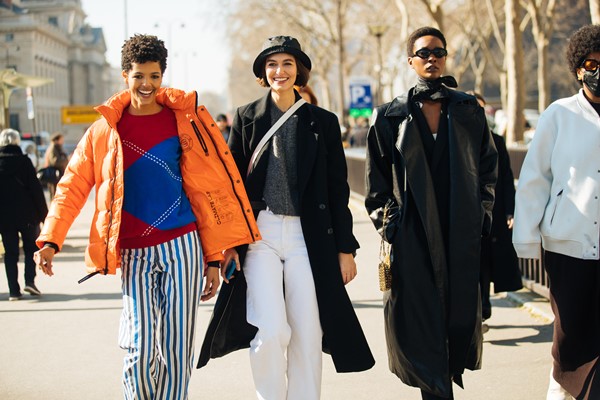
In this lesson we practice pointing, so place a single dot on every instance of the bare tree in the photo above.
(435, 10)
(595, 11)
(541, 13)
(514, 68)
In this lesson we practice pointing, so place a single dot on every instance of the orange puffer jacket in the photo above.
(210, 180)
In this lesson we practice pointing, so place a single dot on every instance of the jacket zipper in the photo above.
(200, 138)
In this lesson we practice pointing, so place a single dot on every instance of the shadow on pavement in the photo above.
(59, 297)
(543, 335)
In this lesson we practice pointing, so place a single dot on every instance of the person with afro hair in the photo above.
(557, 212)
(166, 205)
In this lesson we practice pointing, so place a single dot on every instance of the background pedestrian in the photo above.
(22, 209)
(56, 157)
(499, 261)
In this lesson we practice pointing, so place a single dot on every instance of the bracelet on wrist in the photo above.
(52, 246)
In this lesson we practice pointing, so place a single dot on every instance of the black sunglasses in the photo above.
(590, 65)
(438, 52)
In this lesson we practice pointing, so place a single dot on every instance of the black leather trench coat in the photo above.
(433, 312)
(327, 225)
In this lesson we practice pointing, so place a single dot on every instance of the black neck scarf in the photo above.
(433, 90)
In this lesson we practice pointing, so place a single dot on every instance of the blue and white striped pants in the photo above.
(161, 289)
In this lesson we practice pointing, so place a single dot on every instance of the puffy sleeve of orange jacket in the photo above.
(89, 167)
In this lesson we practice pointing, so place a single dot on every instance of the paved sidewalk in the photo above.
(64, 344)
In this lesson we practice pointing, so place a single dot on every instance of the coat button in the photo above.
(322, 206)
(330, 231)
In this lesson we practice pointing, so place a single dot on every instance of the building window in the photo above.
(9, 37)
(53, 21)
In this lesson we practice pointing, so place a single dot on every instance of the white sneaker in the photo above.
(557, 392)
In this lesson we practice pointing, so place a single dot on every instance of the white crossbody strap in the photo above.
(272, 131)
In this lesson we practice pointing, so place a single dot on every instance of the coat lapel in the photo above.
(260, 122)
(418, 177)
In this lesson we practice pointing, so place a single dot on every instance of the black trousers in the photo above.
(428, 396)
(575, 299)
(10, 240)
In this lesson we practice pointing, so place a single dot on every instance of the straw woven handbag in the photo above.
(385, 261)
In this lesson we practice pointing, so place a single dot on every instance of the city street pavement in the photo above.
(63, 345)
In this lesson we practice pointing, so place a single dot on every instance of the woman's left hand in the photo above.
(347, 267)
(211, 284)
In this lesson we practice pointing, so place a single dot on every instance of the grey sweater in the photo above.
(281, 183)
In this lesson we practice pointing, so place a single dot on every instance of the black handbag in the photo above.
(49, 175)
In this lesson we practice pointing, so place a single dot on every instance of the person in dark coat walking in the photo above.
(57, 159)
(290, 297)
(431, 171)
(22, 209)
(499, 262)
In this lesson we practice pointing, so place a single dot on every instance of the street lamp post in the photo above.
(125, 20)
(378, 30)
(169, 25)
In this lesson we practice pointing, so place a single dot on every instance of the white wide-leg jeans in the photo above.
(282, 303)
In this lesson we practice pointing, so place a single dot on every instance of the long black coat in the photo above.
(22, 200)
(326, 223)
(432, 313)
(497, 252)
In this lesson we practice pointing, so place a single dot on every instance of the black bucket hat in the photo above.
(280, 44)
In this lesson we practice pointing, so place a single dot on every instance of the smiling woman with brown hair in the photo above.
(295, 303)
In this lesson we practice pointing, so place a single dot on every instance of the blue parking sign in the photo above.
(360, 95)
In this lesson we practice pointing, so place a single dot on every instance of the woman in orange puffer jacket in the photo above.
(168, 198)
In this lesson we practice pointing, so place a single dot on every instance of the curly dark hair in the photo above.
(584, 41)
(141, 49)
(419, 33)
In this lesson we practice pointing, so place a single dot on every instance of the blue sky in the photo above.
(198, 54)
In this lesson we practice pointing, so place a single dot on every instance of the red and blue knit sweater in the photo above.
(155, 207)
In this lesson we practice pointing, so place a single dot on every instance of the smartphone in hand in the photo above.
(230, 270)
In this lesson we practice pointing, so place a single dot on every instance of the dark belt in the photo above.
(258, 205)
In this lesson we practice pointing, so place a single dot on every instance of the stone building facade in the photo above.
(51, 39)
